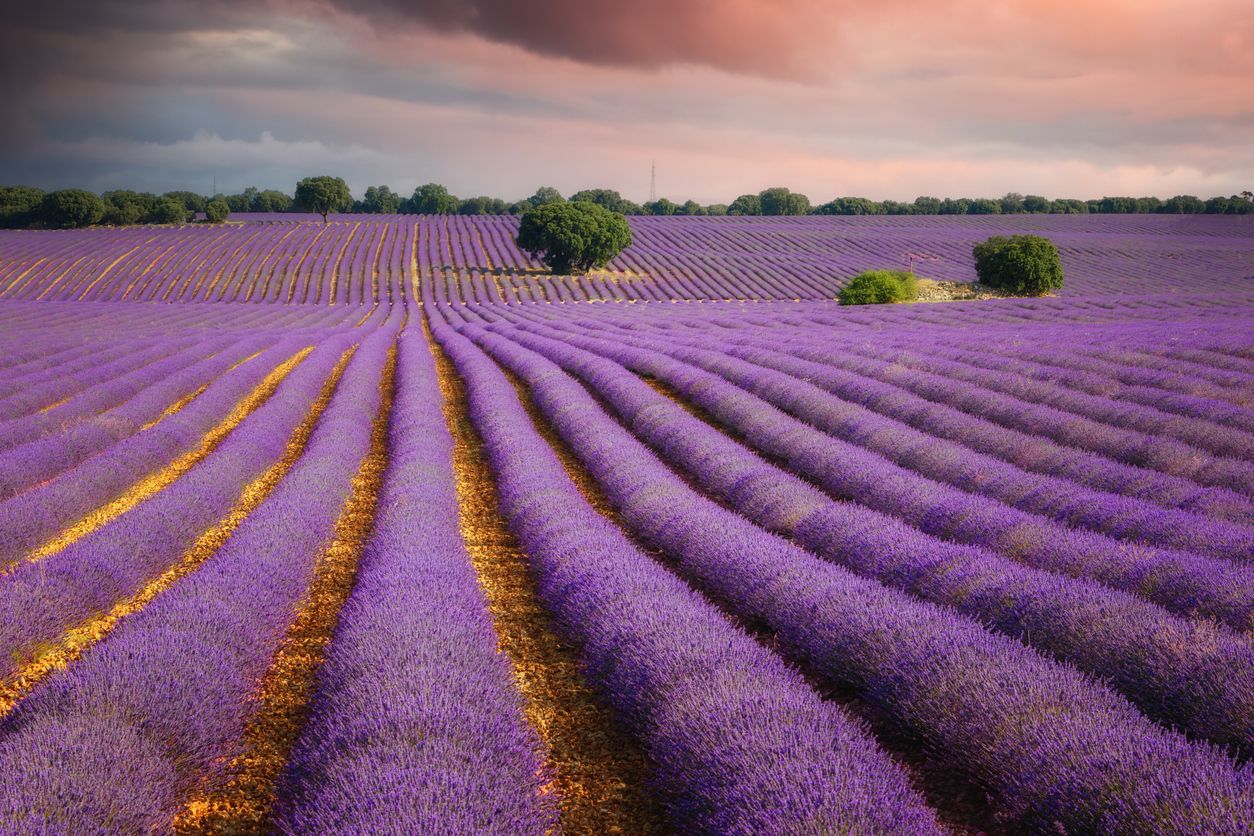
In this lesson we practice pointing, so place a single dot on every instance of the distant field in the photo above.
(359, 258)
(414, 543)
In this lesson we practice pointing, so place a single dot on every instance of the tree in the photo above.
(607, 198)
(1011, 203)
(926, 206)
(482, 205)
(124, 207)
(716, 209)
(984, 206)
(780, 201)
(191, 201)
(545, 195)
(1183, 204)
(746, 204)
(1035, 203)
(168, 211)
(1068, 206)
(574, 236)
(217, 211)
(1026, 265)
(850, 206)
(380, 200)
(433, 199)
(1117, 205)
(19, 206)
(323, 195)
(691, 207)
(71, 208)
(950, 206)
(876, 287)
(272, 200)
(661, 206)
(239, 202)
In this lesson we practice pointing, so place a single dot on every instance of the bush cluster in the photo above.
(877, 287)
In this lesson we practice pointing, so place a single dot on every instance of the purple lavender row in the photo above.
(1066, 502)
(414, 657)
(37, 461)
(892, 396)
(1184, 583)
(89, 576)
(936, 457)
(95, 400)
(30, 518)
(24, 406)
(65, 361)
(953, 388)
(101, 397)
(1192, 676)
(739, 742)
(1162, 390)
(1007, 376)
(1056, 751)
(157, 705)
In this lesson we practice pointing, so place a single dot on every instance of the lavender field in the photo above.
(373, 526)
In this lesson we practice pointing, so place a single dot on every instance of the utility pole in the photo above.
(653, 182)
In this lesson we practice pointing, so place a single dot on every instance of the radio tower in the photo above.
(653, 182)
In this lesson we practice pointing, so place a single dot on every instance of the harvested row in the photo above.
(1046, 742)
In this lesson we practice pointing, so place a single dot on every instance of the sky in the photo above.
(887, 99)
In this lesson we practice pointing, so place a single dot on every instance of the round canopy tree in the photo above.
(1025, 265)
(323, 195)
(217, 211)
(70, 208)
(573, 237)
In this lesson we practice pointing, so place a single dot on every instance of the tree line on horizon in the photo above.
(25, 206)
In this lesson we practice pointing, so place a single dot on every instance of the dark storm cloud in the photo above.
(888, 99)
(764, 38)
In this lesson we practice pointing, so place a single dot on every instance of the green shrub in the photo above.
(875, 287)
(1025, 265)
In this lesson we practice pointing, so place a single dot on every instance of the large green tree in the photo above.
(573, 237)
(124, 207)
(380, 200)
(609, 199)
(19, 206)
(433, 199)
(780, 201)
(746, 204)
(71, 208)
(323, 195)
(1026, 265)
(217, 211)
